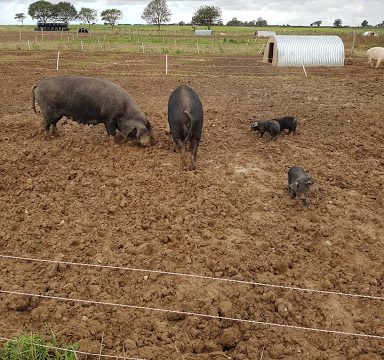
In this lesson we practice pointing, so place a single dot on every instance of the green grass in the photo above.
(171, 39)
(34, 347)
(188, 29)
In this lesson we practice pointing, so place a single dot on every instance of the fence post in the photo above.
(166, 64)
(353, 41)
(302, 63)
(58, 59)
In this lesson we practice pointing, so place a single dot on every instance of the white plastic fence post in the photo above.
(58, 59)
(302, 63)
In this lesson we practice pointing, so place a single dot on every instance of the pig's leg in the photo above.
(181, 150)
(378, 62)
(292, 193)
(50, 118)
(54, 131)
(111, 128)
(194, 143)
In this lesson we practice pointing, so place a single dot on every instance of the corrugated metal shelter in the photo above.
(298, 50)
(203, 32)
(264, 33)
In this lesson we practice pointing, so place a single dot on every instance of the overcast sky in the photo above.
(279, 12)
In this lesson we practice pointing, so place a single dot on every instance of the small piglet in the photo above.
(271, 126)
(287, 122)
(299, 182)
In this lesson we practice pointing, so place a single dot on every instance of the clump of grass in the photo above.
(34, 347)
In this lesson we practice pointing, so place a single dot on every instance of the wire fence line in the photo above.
(77, 352)
(189, 313)
(202, 277)
(166, 64)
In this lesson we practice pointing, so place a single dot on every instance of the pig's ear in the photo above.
(294, 186)
(310, 180)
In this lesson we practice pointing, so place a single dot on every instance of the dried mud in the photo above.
(82, 198)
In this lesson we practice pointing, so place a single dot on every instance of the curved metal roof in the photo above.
(297, 50)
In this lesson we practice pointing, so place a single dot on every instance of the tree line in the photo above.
(156, 12)
(339, 23)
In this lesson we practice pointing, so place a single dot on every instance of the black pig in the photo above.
(299, 183)
(271, 126)
(90, 100)
(185, 118)
(287, 122)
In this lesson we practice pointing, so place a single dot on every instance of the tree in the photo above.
(206, 15)
(250, 23)
(110, 16)
(64, 11)
(316, 23)
(20, 17)
(364, 23)
(337, 23)
(261, 22)
(41, 10)
(234, 22)
(87, 15)
(157, 13)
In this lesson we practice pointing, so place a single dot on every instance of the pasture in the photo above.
(151, 262)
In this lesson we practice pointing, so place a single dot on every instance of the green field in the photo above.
(171, 39)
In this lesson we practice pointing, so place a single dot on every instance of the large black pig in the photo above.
(185, 118)
(90, 100)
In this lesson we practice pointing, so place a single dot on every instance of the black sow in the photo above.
(90, 100)
(185, 118)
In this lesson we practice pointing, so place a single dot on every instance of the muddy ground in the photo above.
(82, 198)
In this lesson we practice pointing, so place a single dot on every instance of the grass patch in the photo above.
(173, 40)
(35, 347)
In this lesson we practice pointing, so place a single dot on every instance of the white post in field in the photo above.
(58, 59)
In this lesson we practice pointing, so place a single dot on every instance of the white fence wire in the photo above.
(203, 277)
(187, 313)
